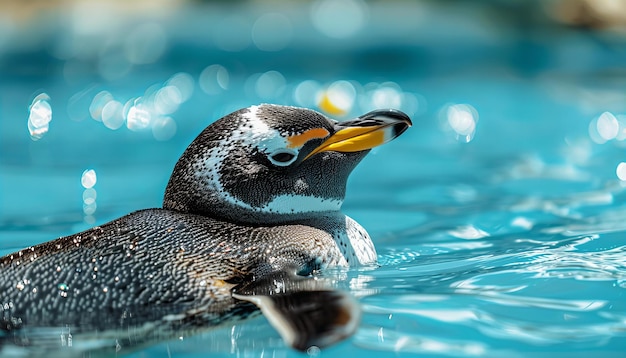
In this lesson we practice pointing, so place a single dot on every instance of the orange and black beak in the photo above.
(365, 132)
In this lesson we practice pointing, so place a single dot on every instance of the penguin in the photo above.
(251, 215)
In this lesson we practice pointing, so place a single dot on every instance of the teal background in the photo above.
(509, 242)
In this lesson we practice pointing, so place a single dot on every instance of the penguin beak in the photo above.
(365, 132)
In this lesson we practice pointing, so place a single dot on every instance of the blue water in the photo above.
(505, 240)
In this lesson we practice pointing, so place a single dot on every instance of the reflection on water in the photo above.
(548, 290)
(40, 115)
(462, 120)
(498, 219)
(148, 112)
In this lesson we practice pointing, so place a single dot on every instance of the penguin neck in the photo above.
(215, 202)
(351, 239)
(260, 217)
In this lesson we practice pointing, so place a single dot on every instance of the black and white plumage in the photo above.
(251, 210)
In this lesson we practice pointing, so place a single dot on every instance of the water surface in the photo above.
(499, 218)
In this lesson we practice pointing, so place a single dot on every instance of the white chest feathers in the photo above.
(355, 244)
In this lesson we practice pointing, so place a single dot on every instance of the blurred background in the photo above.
(513, 173)
(118, 88)
(115, 89)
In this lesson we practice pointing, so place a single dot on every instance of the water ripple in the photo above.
(559, 286)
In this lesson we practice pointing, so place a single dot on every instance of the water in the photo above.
(499, 218)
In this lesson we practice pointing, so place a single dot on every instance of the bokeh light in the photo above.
(338, 98)
(151, 111)
(77, 104)
(607, 127)
(621, 121)
(461, 120)
(621, 171)
(269, 85)
(184, 83)
(39, 117)
(88, 179)
(389, 95)
(97, 104)
(385, 95)
(138, 117)
(89, 196)
(546, 157)
(167, 100)
(307, 93)
(214, 79)
(163, 128)
(112, 115)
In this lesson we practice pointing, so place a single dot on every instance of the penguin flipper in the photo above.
(304, 311)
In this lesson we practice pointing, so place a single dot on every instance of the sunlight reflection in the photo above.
(97, 104)
(606, 265)
(138, 117)
(462, 120)
(152, 111)
(163, 128)
(360, 285)
(390, 95)
(342, 97)
(40, 115)
(398, 341)
(89, 196)
(522, 222)
(468, 232)
(443, 315)
(621, 120)
(112, 115)
(184, 83)
(498, 296)
(604, 128)
(621, 171)
(88, 180)
(167, 100)
(338, 98)
(385, 95)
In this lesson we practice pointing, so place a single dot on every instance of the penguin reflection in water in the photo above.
(250, 214)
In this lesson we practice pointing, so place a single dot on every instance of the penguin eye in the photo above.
(283, 157)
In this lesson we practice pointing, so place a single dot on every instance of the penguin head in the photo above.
(273, 164)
